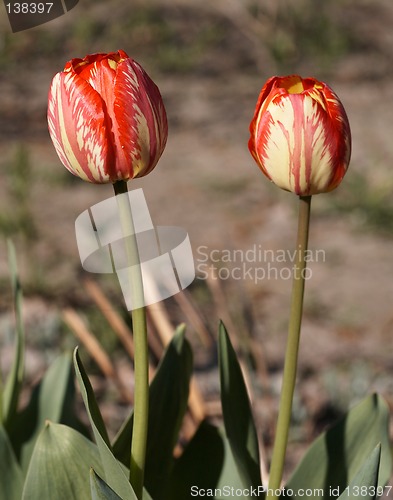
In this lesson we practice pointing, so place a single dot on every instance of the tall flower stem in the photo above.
(291, 355)
(141, 362)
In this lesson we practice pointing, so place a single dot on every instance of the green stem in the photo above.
(141, 361)
(291, 355)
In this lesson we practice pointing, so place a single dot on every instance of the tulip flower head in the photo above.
(106, 118)
(300, 135)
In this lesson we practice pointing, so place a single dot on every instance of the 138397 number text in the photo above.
(368, 491)
(29, 8)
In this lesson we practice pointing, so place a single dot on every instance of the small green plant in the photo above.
(46, 452)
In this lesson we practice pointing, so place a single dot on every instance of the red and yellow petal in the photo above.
(300, 135)
(106, 118)
(138, 119)
(79, 129)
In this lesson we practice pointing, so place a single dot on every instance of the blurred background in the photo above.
(210, 60)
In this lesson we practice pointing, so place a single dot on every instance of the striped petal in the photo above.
(300, 135)
(79, 128)
(139, 120)
(106, 118)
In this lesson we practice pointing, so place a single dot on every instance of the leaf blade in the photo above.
(114, 473)
(10, 395)
(60, 464)
(238, 419)
(99, 489)
(52, 399)
(168, 398)
(11, 477)
(334, 458)
(366, 478)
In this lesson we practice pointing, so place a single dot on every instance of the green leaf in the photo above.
(114, 473)
(52, 399)
(200, 464)
(365, 482)
(206, 468)
(89, 399)
(335, 457)
(10, 396)
(167, 404)
(238, 419)
(146, 495)
(57, 395)
(99, 489)
(230, 474)
(11, 477)
(60, 465)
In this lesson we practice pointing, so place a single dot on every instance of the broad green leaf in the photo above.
(11, 477)
(10, 396)
(238, 419)
(207, 468)
(335, 457)
(52, 399)
(60, 465)
(99, 489)
(114, 473)
(365, 482)
(167, 405)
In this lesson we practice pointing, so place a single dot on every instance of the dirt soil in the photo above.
(208, 184)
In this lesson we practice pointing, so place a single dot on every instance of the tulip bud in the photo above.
(300, 135)
(106, 118)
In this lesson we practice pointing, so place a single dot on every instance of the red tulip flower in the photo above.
(300, 135)
(106, 118)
